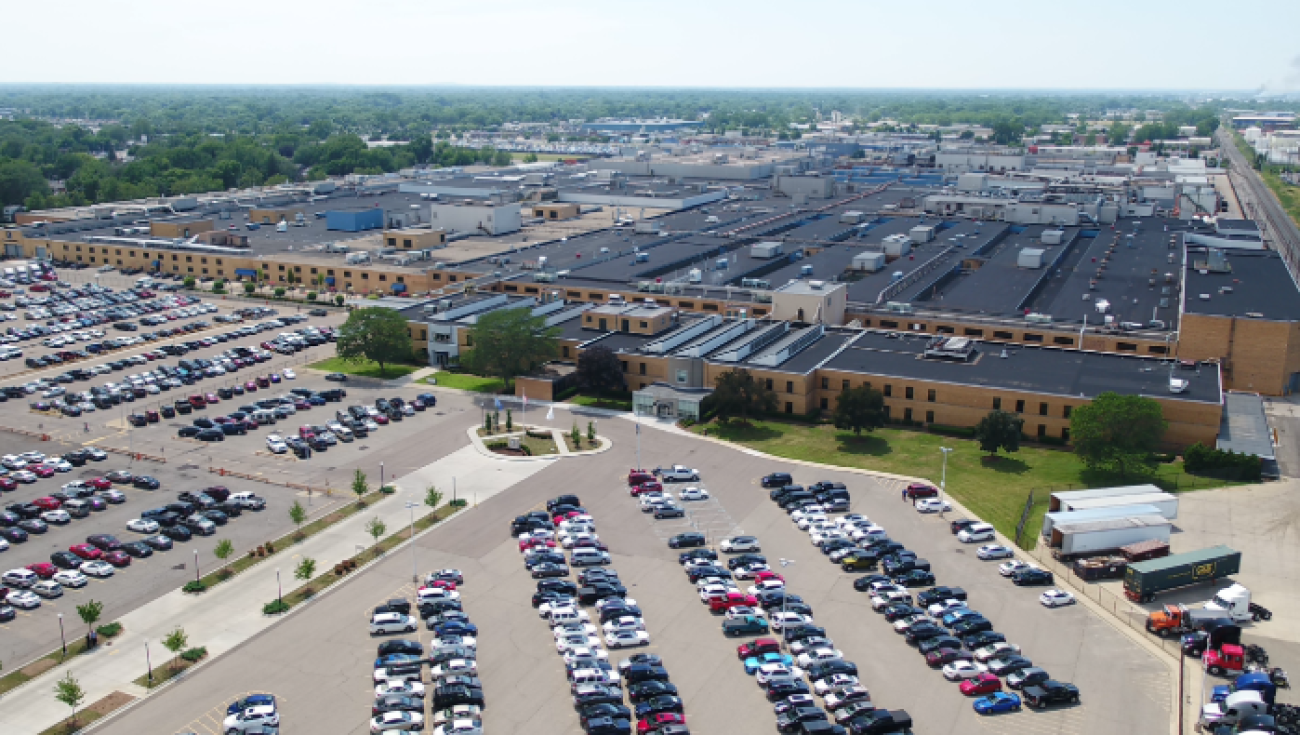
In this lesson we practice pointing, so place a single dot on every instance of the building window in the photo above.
(1020, 406)
(1042, 409)
(329, 272)
(886, 411)
(564, 351)
(824, 403)
(682, 376)
(383, 276)
(595, 296)
(624, 364)
(365, 275)
(1003, 335)
(469, 339)
(1042, 431)
(929, 417)
(907, 415)
(1063, 341)
(710, 307)
(313, 271)
(930, 396)
(203, 260)
(645, 325)
(1126, 347)
(511, 288)
(686, 304)
(789, 407)
(1157, 349)
(973, 332)
(907, 392)
(889, 390)
(997, 404)
(1065, 434)
(347, 274)
(844, 385)
(888, 324)
(944, 330)
(1033, 337)
(826, 383)
(641, 368)
(789, 386)
(768, 383)
(1066, 411)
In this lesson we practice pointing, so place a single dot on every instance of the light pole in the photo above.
(943, 481)
(381, 476)
(279, 589)
(148, 661)
(196, 565)
(62, 637)
(415, 575)
(785, 599)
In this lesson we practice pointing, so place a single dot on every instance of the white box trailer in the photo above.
(1073, 539)
(1031, 258)
(1166, 503)
(1095, 514)
(922, 233)
(1063, 500)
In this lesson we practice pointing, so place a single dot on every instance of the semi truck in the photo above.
(1146, 579)
(1177, 619)
(1234, 602)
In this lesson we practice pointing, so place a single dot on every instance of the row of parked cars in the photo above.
(451, 659)
(75, 500)
(590, 616)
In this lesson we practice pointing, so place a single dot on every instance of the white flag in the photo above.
(550, 414)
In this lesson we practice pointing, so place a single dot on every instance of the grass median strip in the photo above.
(284, 542)
(364, 368)
(77, 647)
(321, 582)
(90, 713)
(465, 381)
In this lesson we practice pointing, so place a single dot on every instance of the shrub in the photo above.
(388, 489)
(194, 654)
(339, 299)
(963, 432)
(109, 631)
(458, 503)
(249, 287)
(194, 587)
(279, 292)
(1199, 459)
(311, 295)
(275, 607)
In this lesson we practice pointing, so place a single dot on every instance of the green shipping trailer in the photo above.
(1144, 580)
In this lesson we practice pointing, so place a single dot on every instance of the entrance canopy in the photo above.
(667, 401)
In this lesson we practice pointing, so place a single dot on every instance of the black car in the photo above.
(215, 516)
(13, 535)
(145, 482)
(637, 673)
(158, 542)
(901, 610)
(984, 638)
(792, 720)
(971, 625)
(593, 594)
(211, 435)
(686, 556)
(550, 569)
(817, 672)
(401, 646)
(337, 377)
(596, 695)
(9, 518)
(683, 540)
(450, 695)
(784, 688)
(558, 585)
(648, 690)
(1032, 577)
(33, 525)
(939, 594)
(880, 721)
(1008, 665)
(1050, 692)
(607, 709)
(930, 645)
(664, 703)
(65, 560)
(923, 630)
(188, 431)
(915, 578)
(743, 559)
(777, 479)
(138, 549)
(177, 533)
(397, 703)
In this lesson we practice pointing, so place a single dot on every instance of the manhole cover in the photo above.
(188, 467)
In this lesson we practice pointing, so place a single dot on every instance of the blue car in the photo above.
(753, 663)
(397, 659)
(997, 702)
(252, 700)
(456, 627)
(950, 619)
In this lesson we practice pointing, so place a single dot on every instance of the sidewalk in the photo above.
(231, 613)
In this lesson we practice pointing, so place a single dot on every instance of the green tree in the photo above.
(311, 295)
(1118, 433)
(510, 342)
(68, 691)
(176, 641)
(860, 408)
(360, 485)
(222, 551)
(530, 158)
(305, 570)
(737, 394)
(297, 514)
(510, 420)
(376, 528)
(999, 430)
(279, 293)
(432, 497)
(377, 334)
(219, 286)
(19, 180)
(188, 282)
(591, 433)
(599, 369)
(89, 614)
(249, 287)
(339, 299)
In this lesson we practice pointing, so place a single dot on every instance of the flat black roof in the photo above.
(1031, 369)
(1260, 283)
(811, 356)
(999, 285)
(970, 235)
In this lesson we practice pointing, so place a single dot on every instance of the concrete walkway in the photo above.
(231, 613)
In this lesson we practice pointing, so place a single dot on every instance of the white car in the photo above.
(573, 641)
(397, 721)
(577, 627)
(1056, 598)
(453, 667)
(70, 578)
(626, 638)
(679, 473)
(275, 443)
(60, 465)
(409, 673)
(766, 585)
(253, 719)
(739, 543)
(783, 620)
(809, 644)
(391, 623)
(961, 670)
(48, 588)
(56, 517)
(693, 493)
(932, 505)
(585, 652)
(33, 457)
(427, 594)
(625, 622)
(868, 533)
(839, 698)
(823, 686)
(24, 476)
(747, 571)
(902, 625)
(939, 609)
(811, 520)
(818, 656)
(996, 650)
(994, 551)
(403, 688)
(1009, 568)
(4, 545)
(289, 374)
(23, 600)
(97, 569)
(885, 598)
(820, 538)
(142, 525)
(851, 519)
(767, 672)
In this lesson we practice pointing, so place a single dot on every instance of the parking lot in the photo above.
(320, 660)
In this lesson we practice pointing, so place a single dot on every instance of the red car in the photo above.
(757, 648)
(7, 484)
(88, 552)
(263, 381)
(197, 401)
(760, 576)
(730, 600)
(638, 477)
(647, 487)
(380, 419)
(42, 470)
(946, 656)
(445, 584)
(250, 386)
(47, 503)
(921, 490)
(118, 558)
(536, 543)
(100, 483)
(658, 721)
(43, 569)
(981, 684)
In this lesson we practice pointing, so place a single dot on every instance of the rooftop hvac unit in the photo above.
(1036, 318)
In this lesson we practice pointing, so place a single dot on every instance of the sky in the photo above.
(937, 44)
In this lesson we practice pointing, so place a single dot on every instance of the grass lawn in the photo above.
(993, 490)
(465, 381)
(1288, 195)
(617, 404)
(364, 368)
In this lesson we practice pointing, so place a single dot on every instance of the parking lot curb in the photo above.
(187, 673)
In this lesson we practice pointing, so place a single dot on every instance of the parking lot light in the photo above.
(785, 600)
(943, 479)
(62, 637)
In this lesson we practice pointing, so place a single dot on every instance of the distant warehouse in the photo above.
(354, 220)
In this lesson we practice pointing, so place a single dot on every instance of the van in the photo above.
(975, 532)
(76, 508)
(567, 615)
(588, 557)
(264, 417)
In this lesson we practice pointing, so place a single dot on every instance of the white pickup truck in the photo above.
(678, 473)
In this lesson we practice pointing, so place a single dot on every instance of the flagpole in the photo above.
(638, 446)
